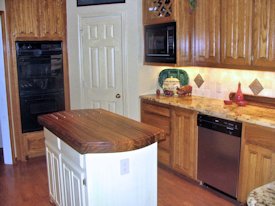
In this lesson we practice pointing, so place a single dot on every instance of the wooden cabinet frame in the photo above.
(182, 134)
(228, 34)
(31, 31)
(257, 166)
(185, 142)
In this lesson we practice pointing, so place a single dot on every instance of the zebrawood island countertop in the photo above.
(100, 131)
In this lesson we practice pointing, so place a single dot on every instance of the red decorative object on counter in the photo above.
(184, 90)
(158, 92)
(239, 94)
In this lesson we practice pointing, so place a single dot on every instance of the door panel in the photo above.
(101, 67)
(236, 32)
(207, 32)
(264, 33)
(184, 34)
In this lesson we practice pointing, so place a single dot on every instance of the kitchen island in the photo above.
(98, 158)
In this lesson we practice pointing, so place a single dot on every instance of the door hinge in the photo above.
(84, 182)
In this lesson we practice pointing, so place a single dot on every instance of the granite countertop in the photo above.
(100, 131)
(216, 107)
(262, 196)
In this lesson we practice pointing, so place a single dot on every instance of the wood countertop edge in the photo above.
(103, 146)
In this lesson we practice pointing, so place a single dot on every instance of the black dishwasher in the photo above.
(219, 143)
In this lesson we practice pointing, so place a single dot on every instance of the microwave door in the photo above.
(157, 43)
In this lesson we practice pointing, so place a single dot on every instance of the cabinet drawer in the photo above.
(157, 121)
(155, 109)
(258, 135)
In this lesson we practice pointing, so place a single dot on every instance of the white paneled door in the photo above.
(101, 62)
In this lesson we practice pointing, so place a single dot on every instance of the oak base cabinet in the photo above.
(179, 150)
(159, 116)
(257, 159)
(185, 142)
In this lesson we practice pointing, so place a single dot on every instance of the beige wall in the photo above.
(132, 11)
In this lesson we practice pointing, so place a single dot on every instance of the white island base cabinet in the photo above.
(101, 179)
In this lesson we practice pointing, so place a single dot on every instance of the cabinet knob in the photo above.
(118, 96)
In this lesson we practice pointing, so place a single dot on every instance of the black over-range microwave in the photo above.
(160, 43)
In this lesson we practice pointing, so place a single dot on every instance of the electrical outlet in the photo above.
(124, 166)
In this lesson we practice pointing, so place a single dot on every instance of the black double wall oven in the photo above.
(40, 80)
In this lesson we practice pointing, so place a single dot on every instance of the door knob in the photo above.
(117, 96)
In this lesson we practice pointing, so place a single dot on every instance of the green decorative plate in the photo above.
(181, 75)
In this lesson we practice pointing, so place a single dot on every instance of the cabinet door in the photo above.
(264, 33)
(23, 16)
(159, 116)
(52, 18)
(184, 33)
(258, 168)
(207, 32)
(73, 184)
(34, 144)
(185, 142)
(54, 178)
(236, 32)
(160, 11)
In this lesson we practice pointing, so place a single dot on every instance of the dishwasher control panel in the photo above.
(221, 125)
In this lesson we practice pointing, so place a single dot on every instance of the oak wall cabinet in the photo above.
(228, 34)
(184, 34)
(257, 158)
(32, 20)
(264, 33)
(52, 18)
(236, 28)
(161, 11)
(159, 116)
(207, 32)
(37, 18)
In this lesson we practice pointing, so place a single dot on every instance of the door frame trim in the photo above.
(6, 53)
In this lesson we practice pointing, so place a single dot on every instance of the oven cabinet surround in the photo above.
(257, 158)
(229, 34)
(32, 20)
(179, 150)
(96, 157)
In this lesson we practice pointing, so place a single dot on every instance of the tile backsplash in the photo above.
(218, 82)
